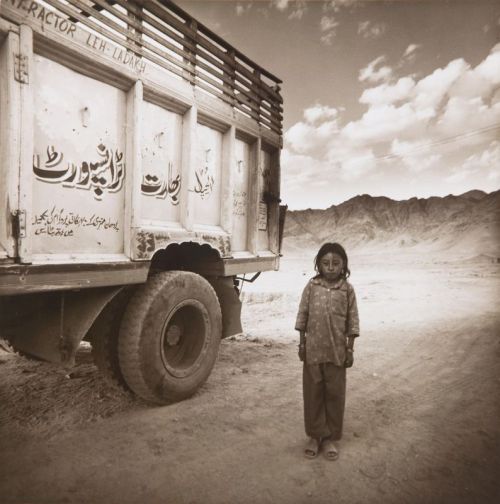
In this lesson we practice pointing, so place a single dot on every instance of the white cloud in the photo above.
(313, 135)
(381, 123)
(411, 49)
(319, 113)
(417, 156)
(373, 74)
(299, 9)
(410, 53)
(357, 166)
(336, 5)
(327, 39)
(242, 8)
(389, 93)
(489, 68)
(484, 164)
(281, 4)
(488, 159)
(328, 23)
(432, 89)
(370, 30)
(467, 114)
(443, 127)
(328, 26)
(460, 175)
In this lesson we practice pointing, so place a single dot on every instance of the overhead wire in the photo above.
(442, 141)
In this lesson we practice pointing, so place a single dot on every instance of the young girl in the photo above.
(328, 323)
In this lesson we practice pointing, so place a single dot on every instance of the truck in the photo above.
(139, 185)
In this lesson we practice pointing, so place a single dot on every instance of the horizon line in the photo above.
(393, 199)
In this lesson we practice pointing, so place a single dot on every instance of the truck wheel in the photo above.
(103, 336)
(170, 336)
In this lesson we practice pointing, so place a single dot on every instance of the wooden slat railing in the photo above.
(161, 32)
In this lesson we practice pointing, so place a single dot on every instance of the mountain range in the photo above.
(467, 225)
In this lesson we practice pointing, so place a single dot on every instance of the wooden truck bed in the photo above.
(127, 127)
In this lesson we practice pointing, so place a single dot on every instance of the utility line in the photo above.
(442, 141)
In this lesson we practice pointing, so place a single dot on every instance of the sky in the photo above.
(395, 98)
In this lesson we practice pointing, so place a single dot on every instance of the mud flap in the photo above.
(230, 305)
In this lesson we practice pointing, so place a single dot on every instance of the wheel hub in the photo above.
(173, 335)
(185, 340)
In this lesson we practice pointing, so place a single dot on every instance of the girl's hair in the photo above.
(336, 248)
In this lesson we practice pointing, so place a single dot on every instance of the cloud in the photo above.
(319, 113)
(281, 4)
(432, 89)
(443, 126)
(417, 156)
(389, 93)
(370, 30)
(411, 49)
(327, 39)
(299, 9)
(243, 8)
(373, 74)
(381, 123)
(354, 167)
(312, 135)
(485, 163)
(410, 53)
(336, 5)
(328, 26)
(328, 23)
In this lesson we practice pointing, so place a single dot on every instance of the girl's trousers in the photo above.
(324, 387)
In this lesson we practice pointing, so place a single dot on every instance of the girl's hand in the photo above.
(302, 352)
(349, 358)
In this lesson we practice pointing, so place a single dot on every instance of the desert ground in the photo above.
(422, 415)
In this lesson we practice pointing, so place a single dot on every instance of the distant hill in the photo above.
(467, 225)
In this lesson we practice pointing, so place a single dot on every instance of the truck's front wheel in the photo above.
(169, 336)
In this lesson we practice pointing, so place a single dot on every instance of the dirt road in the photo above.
(421, 421)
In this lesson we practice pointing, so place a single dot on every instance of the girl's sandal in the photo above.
(330, 450)
(311, 449)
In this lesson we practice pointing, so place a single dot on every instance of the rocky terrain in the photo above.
(467, 225)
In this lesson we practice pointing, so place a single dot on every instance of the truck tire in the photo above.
(103, 337)
(169, 336)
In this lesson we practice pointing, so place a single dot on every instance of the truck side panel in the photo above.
(79, 163)
(240, 196)
(207, 185)
(161, 154)
(9, 142)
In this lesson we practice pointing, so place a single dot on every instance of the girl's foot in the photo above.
(311, 449)
(330, 450)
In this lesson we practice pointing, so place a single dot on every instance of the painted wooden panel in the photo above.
(240, 196)
(79, 164)
(9, 142)
(207, 176)
(161, 164)
(264, 182)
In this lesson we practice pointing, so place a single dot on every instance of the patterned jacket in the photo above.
(328, 313)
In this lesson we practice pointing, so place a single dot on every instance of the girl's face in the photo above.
(330, 266)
